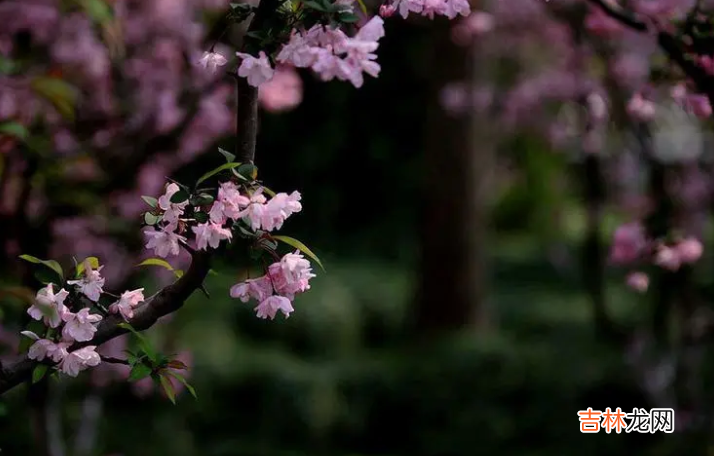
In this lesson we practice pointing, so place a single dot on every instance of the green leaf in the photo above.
(52, 264)
(269, 192)
(139, 371)
(248, 172)
(300, 246)
(212, 272)
(213, 172)
(168, 388)
(156, 262)
(151, 219)
(98, 10)
(93, 263)
(14, 129)
(39, 372)
(229, 156)
(151, 201)
(201, 217)
(178, 273)
(316, 6)
(182, 379)
(61, 94)
(362, 6)
(202, 199)
(144, 344)
(7, 66)
(179, 197)
(348, 18)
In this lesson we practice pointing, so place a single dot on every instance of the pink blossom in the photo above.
(667, 258)
(91, 284)
(628, 243)
(699, 105)
(279, 208)
(291, 275)
(210, 234)
(44, 348)
(258, 289)
(229, 203)
(599, 23)
(75, 362)
(172, 210)
(283, 92)
(80, 326)
(707, 64)
(49, 307)
(126, 303)
(164, 242)
(271, 305)
(638, 281)
(640, 109)
(689, 250)
(387, 10)
(256, 70)
(212, 60)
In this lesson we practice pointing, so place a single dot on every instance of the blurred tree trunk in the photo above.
(453, 272)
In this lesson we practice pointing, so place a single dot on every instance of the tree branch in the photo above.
(171, 298)
(668, 43)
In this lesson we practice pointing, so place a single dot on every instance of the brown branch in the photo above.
(247, 118)
(169, 299)
(668, 43)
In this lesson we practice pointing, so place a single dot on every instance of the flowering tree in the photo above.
(76, 312)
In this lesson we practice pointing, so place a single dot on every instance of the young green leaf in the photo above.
(151, 201)
(156, 262)
(202, 199)
(248, 171)
(139, 371)
(151, 219)
(348, 18)
(13, 129)
(61, 94)
(229, 156)
(180, 196)
(182, 379)
(93, 263)
(362, 6)
(215, 171)
(300, 246)
(39, 372)
(52, 264)
(201, 217)
(168, 388)
(316, 6)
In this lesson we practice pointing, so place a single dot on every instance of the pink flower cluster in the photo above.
(328, 52)
(428, 8)
(230, 205)
(50, 308)
(631, 245)
(276, 290)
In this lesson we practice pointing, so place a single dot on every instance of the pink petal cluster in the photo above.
(640, 108)
(638, 281)
(269, 215)
(256, 69)
(49, 307)
(127, 302)
(276, 290)
(78, 327)
(210, 234)
(629, 243)
(695, 103)
(211, 61)
(672, 257)
(332, 54)
(283, 92)
(430, 8)
(165, 241)
(91, 284)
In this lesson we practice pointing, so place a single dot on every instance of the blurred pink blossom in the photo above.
(283, 92)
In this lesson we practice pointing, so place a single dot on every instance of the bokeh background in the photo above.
(463, 204)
